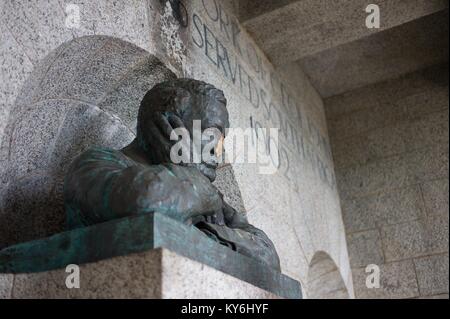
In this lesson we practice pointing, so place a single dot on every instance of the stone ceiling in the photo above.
(331, 42)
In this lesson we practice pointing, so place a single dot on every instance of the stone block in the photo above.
(444, 296)
(6, 284)
(38, 26)
(432, 99)
(107, 67)
(385, 208)
(177, 282)
(130, 20)
(151, 275)
(431, 129)
(226, 183)
(350, 151)
(372, 177)
(365, 248)
(137, 235)
(125, 98)
(342, 127)
(436, 196)
(33, 136)
(348, 102)
(66, 64)
(427, 164)
(397, 281)
(86, 126)
(415, 239)
(14, 69)
(385, 142)
(395, 172)
(432, 275)
(393, 53)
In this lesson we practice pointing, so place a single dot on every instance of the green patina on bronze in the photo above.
(139, 234)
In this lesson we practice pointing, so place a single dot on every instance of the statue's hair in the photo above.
(184, 98)
(169, 96)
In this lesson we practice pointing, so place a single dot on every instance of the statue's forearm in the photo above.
(104, 190)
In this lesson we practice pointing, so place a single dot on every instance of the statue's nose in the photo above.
(219, 146)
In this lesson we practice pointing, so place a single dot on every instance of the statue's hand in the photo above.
(161, 127)
(227, 215)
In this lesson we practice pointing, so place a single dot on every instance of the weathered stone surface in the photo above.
(102, 72)
(324, 279)
(66, 64)
(421, 92)
(397, 281)
(415, 239)
(227, 185)
(210, 283)
(436, 196)
(14, 68)
(302, 28)
(134, 276)
(428, 130)
(151, 275)
(407, 135)
(394, 172)
(386, 208)
(367, 119)
(323, 291)
(381, 56)
(126, 96)
(427, 101)
(48, 118)
(25, 20)
(131, 21)
(139, 234)
(85, 126)
(365, 248)
(6, 284)
(432, 275)
(390, 142)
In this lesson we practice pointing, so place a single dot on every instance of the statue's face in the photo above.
(214, 121)
(180, 105)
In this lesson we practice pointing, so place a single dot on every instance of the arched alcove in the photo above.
(86, 92)
(324, 279)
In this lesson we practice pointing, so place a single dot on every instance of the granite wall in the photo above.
(298, 206)
(390, 145)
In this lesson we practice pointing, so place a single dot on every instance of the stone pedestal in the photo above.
(155, 274)
(150, 256)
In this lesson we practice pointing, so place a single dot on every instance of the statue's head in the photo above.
(186, 100)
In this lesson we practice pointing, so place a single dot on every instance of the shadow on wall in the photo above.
(86, 92)
(324, 279)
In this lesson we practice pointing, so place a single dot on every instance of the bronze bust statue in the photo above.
(104, 184)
